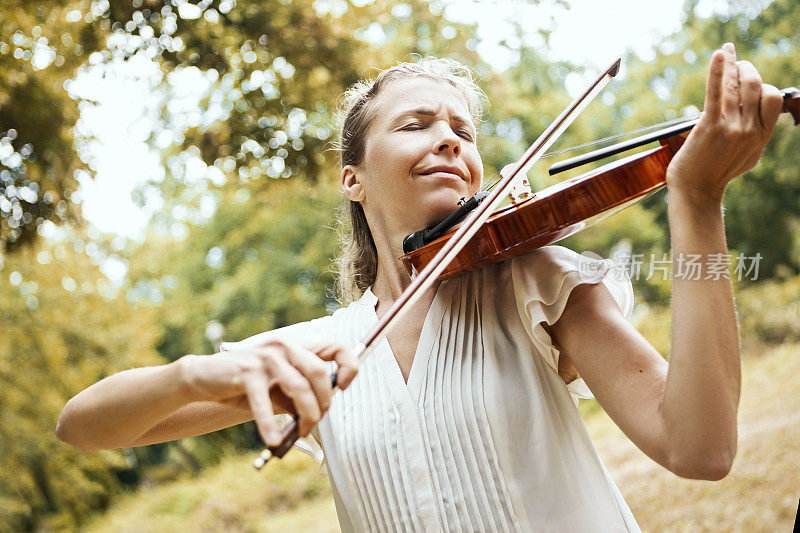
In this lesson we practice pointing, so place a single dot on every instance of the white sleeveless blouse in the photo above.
(485, 436)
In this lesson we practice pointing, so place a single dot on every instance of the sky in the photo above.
(591, 33)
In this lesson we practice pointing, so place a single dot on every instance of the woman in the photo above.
(461, 420)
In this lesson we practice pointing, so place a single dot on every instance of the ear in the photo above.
(351, 184)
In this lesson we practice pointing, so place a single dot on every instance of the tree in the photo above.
(64, 327)
(42, 46)
(762, 207)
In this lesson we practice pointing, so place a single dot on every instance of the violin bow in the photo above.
(425, 279)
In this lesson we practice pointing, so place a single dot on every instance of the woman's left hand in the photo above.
(739, 116)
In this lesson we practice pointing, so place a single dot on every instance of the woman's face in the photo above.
(420, 155)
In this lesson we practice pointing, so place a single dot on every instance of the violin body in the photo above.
(558, 211)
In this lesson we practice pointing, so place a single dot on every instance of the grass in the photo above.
(760, 494)
(231, 496)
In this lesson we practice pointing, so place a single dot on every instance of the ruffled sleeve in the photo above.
(542, 282)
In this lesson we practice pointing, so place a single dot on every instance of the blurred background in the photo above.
(167, 181)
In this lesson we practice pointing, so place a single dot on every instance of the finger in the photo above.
(297, 388)
(750, 88)
(771, 107)
(345, 359)
(730, 82)
(712, 108)
(257, 388)
(316, 372)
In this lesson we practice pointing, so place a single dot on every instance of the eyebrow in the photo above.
(428, 112)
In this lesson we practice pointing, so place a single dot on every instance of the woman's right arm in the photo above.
(198, 394)
(116, 411)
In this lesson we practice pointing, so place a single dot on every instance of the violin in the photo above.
(559, 211)
(481, 232)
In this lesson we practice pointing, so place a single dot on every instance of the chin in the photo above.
(437, 211)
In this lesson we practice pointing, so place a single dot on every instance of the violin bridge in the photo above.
(520, 190)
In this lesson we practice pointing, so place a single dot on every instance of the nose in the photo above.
(447, 140)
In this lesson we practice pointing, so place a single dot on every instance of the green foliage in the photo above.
(279, 69)
(763, 206)
(40, 49)
(769, 313)
(63, 329)
(262, 260)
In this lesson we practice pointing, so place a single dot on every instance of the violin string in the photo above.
(488, 186)
(666, 124)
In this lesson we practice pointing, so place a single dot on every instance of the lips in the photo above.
(445, 169)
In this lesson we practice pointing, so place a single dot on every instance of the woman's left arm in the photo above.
(683, 415)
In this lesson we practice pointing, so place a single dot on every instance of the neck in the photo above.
(392, 276)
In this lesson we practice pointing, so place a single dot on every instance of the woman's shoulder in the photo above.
(335, 326)
(548, 275)
(300, 332)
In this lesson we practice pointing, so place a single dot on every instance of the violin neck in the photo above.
(624, 146)
(791, 104)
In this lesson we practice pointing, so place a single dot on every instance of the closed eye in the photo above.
(465, 134)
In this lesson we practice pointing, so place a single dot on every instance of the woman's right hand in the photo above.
(274, 374)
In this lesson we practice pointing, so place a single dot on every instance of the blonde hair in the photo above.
(357, 262)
